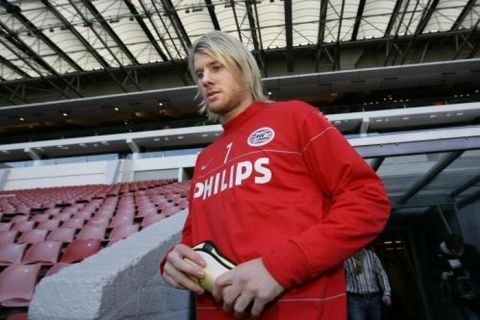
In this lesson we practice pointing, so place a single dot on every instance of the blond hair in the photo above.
(232, 54)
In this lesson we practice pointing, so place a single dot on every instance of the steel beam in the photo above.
(84, 42)
(213, 15)
(90, 6)
(173, 61)
(427, 14)
(232, 4)
(38, 32)
(145, 29)
(321, 32)
(171, 12)
(358, 19)
(72, 3)
(470, 183)
(430, 175)
(289, 34)
(27, 62)
(471, 199)
(376, 163)
(461, 17)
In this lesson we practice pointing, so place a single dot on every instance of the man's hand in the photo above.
(177, 271)
(447, 275)
(387, 299)
(247, 284)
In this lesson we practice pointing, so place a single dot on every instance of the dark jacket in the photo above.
(463, 286)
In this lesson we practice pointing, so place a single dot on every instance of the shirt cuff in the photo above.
(287, 264)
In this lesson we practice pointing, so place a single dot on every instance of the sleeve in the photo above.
(358, 206)
(382, 277)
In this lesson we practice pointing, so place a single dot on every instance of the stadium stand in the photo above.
(44, 230)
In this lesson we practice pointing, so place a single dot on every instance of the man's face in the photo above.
(222, 88)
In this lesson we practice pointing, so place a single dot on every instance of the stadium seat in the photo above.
(19, 218)
(17, 283)
(121, 232)
(62, 234)
(18, 316)
(49, 225)
(40, 217)
(73, 223)
(23, 226)
(98, 221)
(7, 237)
(151, 219)
(32, 236)
(63, 216)
(78, 250)
(56, 268)
(5, 226)
(12, 253)
(167, 212)
(122, 220)
(45, 252)
(91, 232)
(83, 214)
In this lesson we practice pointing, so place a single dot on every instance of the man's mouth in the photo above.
(210, 94)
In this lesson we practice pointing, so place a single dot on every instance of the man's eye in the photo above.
(217, 67)
(200, 75)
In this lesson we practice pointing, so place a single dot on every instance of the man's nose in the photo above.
(206, 79)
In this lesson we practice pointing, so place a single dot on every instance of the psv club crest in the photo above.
(261, 137)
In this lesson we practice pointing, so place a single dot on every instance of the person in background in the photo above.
(280, 193)
(367, 286)
(458, 269)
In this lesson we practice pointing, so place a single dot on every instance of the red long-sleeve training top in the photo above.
(283, 184)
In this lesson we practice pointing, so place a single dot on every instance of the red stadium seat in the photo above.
(62, 234)
(45, 252)
(122, 220)
(78, 250)
(19, 218)
(63, 216)
(121, 232)
(5, 226)
(151, 219)
(40, 217)
(98, 221)
(17, 283)
(7, 237)
(73, 223)
(49, 224)
(12, 253)
(91, 232)
(56, 268)
(23, 226)
(18, 316)
(32, 236)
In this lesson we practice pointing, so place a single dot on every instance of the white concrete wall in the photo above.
(153, 167)
(95, 172)
(70, 174)
(120, 282)
(164, 163)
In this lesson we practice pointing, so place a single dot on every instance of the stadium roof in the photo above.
(97, 64)
(51, 40)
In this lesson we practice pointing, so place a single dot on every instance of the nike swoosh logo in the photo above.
(204, 166)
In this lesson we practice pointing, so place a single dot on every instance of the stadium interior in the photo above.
(99, 132)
